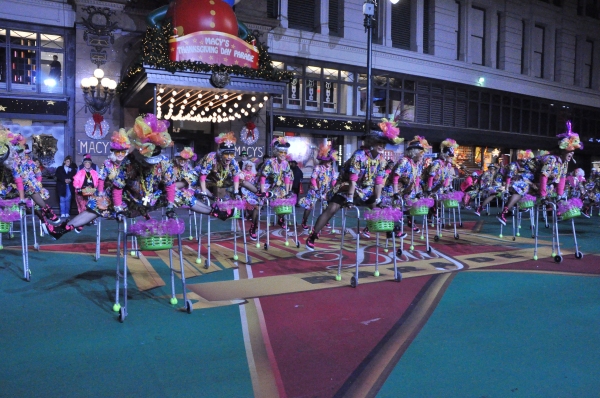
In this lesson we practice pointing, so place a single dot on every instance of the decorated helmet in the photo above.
(280, 145)
(226, 142)
(186, 153)
(543, 153)
(525, 154)
(448, 146)
(418, 143)
(388, 133)
(149, 136)
(326, 154)
(569, 140)
(119, 141)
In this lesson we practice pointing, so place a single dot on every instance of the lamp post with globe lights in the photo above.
(98, 92)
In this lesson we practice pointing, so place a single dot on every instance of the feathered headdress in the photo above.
(326, 154)
(543, 153)
(226, 142)
(388, 133)
(280, 144)
(17, 141)
(569, 141)
(149, 134)
(525, 154)
(448, 146)
(187, 153)
(119, 141)
(418, 143)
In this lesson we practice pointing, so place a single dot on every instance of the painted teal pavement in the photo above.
(506, 334)
(60, 338)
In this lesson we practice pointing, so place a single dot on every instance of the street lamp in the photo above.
(369, 13)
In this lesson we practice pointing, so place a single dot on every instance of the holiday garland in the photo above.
(155, 53)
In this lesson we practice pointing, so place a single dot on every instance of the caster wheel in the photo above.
(173, 300)
(121, 315)
(398, 277)
(353, 281)
(514, 239)
(429, 250)
(198, 260)
(297, 244)
(579, 255)
(338, 277)
(436, 238)
(188, 306)
(266, 247)
(399, 253)
(376, 273)
(558, 259)
(207, 265)
(457, 236)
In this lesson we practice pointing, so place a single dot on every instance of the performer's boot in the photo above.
(585, 211)
(398, 232)
(252, 232)
(57, 231)
(310, 241)
(38, 212)
(49, 214)
(366, 233)
(220, 214)
(416, 230)
(502, 215)
(304, 223)
(478, 210)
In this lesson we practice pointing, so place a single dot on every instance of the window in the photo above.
(522, 47)
(458, 29)
(273, 9)
(426, 26)
(477, 44)
(588, 8)
(498, 34)
(302, 15)
(537, 63)
(401, 24)
(336, 17)
(588, 56)
(31, 61)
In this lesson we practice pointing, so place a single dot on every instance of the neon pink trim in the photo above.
(353, 177)
(429, 182)
(263, 179)
(19, 183)
(39, 178)
(100, 185)
(313, 182)
(203, 177)
(543, 185)
(287, 180)
(378, 180)
(396, 178)
(170, 193)
(236, 178)
(507, 181)
(561, 186)
(117, 197)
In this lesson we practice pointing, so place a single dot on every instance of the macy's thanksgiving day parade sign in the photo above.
(207, 31)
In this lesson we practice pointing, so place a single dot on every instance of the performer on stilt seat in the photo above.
(361, 178)
(323, 178)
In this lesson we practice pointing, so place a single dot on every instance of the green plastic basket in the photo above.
(152, 243)
(237, 213)
(528, 204)
(281, 210)
(419, 211)
(4, 227)
(571, 213)
(380, 226)
(450, 203)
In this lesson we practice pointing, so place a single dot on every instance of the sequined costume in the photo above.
(217, 175)
(323, 177)
(365, 170)
(276, 175)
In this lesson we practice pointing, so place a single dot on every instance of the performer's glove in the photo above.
(78, 190)
(264, 194)
(237, 195)
(22, 203)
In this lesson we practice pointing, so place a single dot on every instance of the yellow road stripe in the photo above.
(143, 273)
